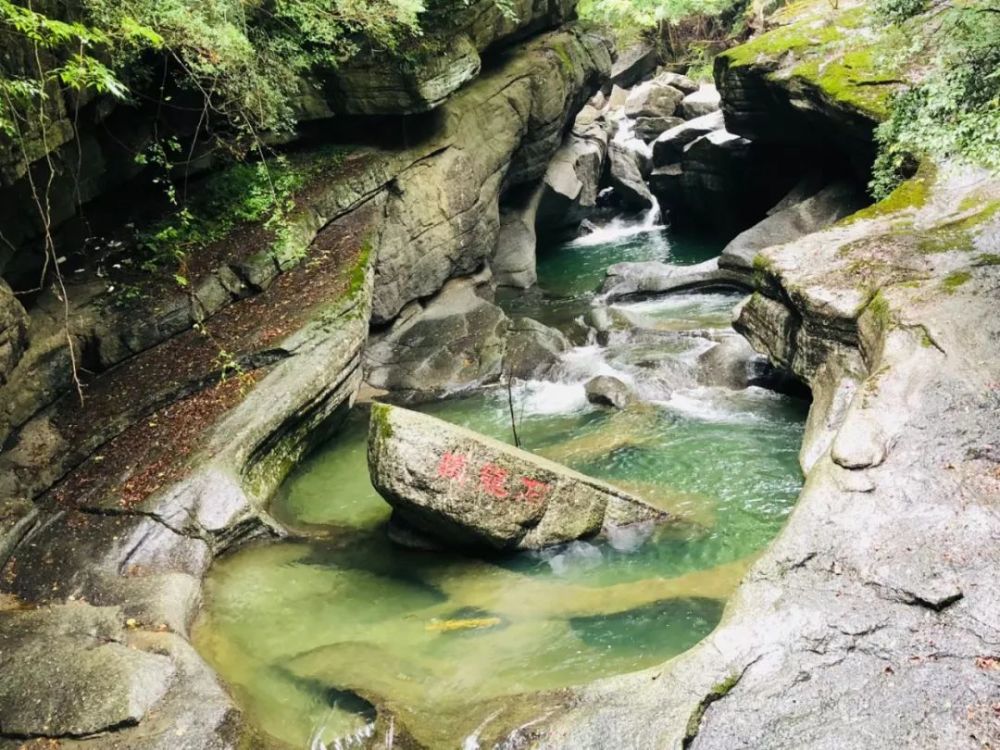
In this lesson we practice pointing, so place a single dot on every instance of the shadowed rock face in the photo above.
(470, 491)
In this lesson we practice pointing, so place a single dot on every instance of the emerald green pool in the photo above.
(299, 629)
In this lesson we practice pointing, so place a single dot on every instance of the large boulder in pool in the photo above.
(469, 491)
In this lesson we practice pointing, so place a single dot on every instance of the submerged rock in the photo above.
(471, 491)
(605, 390)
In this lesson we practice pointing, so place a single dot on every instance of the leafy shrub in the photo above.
(896, 11)
(955, 111)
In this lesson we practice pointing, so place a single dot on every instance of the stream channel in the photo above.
(300, 628)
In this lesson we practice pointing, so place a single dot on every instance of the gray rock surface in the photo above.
(625, 176)
(572, 178)
(513, 262)
(877, 598)
(470, 491)
(634, 64)
(650, 128)
(733, 363)
(678, 80)
(653, 99)
(605, 390)
(668, 147)
(532, 348)
(702, 102)
(13, 331)
(456, 341)
(631, 280)
(499, 132)
(68, 670)
(815, 212)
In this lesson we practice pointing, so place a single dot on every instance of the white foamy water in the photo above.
(713, 404)
(620, 228)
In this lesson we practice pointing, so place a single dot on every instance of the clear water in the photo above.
(299, 629)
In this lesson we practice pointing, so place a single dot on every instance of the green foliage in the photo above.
(896, 11)
(240, 194)
(629, 17)
(955, 111)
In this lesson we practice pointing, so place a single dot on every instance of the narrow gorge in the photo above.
(527, 391)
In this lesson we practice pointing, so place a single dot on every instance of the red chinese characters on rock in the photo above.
(452, 466)
(493, 480)
(533, 490)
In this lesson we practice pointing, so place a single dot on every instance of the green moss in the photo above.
(722, 688)
(954, 280)
(360, 270)
(856, 78)
(380, 420)
(717, 691)
(987, 259)
(959, 234)
(879, 308)
(911, 194)
(565, 61)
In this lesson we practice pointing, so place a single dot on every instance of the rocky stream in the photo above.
(755, 498)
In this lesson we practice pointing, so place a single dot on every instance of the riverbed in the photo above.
(310, 632)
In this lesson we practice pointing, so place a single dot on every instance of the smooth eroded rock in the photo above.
(67, 670)
(471, 491)
(455, 342)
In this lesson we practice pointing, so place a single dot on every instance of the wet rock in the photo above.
(646, 278)
(634, 64)
(667, 184)
(513, 261)
(668, 147)
(653, 99)
(68, 670)
(605, 390)
(732, 363)
(456, 341)
(470, 491)
(796, 219)
(532, 348)
(625, 175)
(13, 331)
(649, 128)
(572, 178)
(704, 101)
